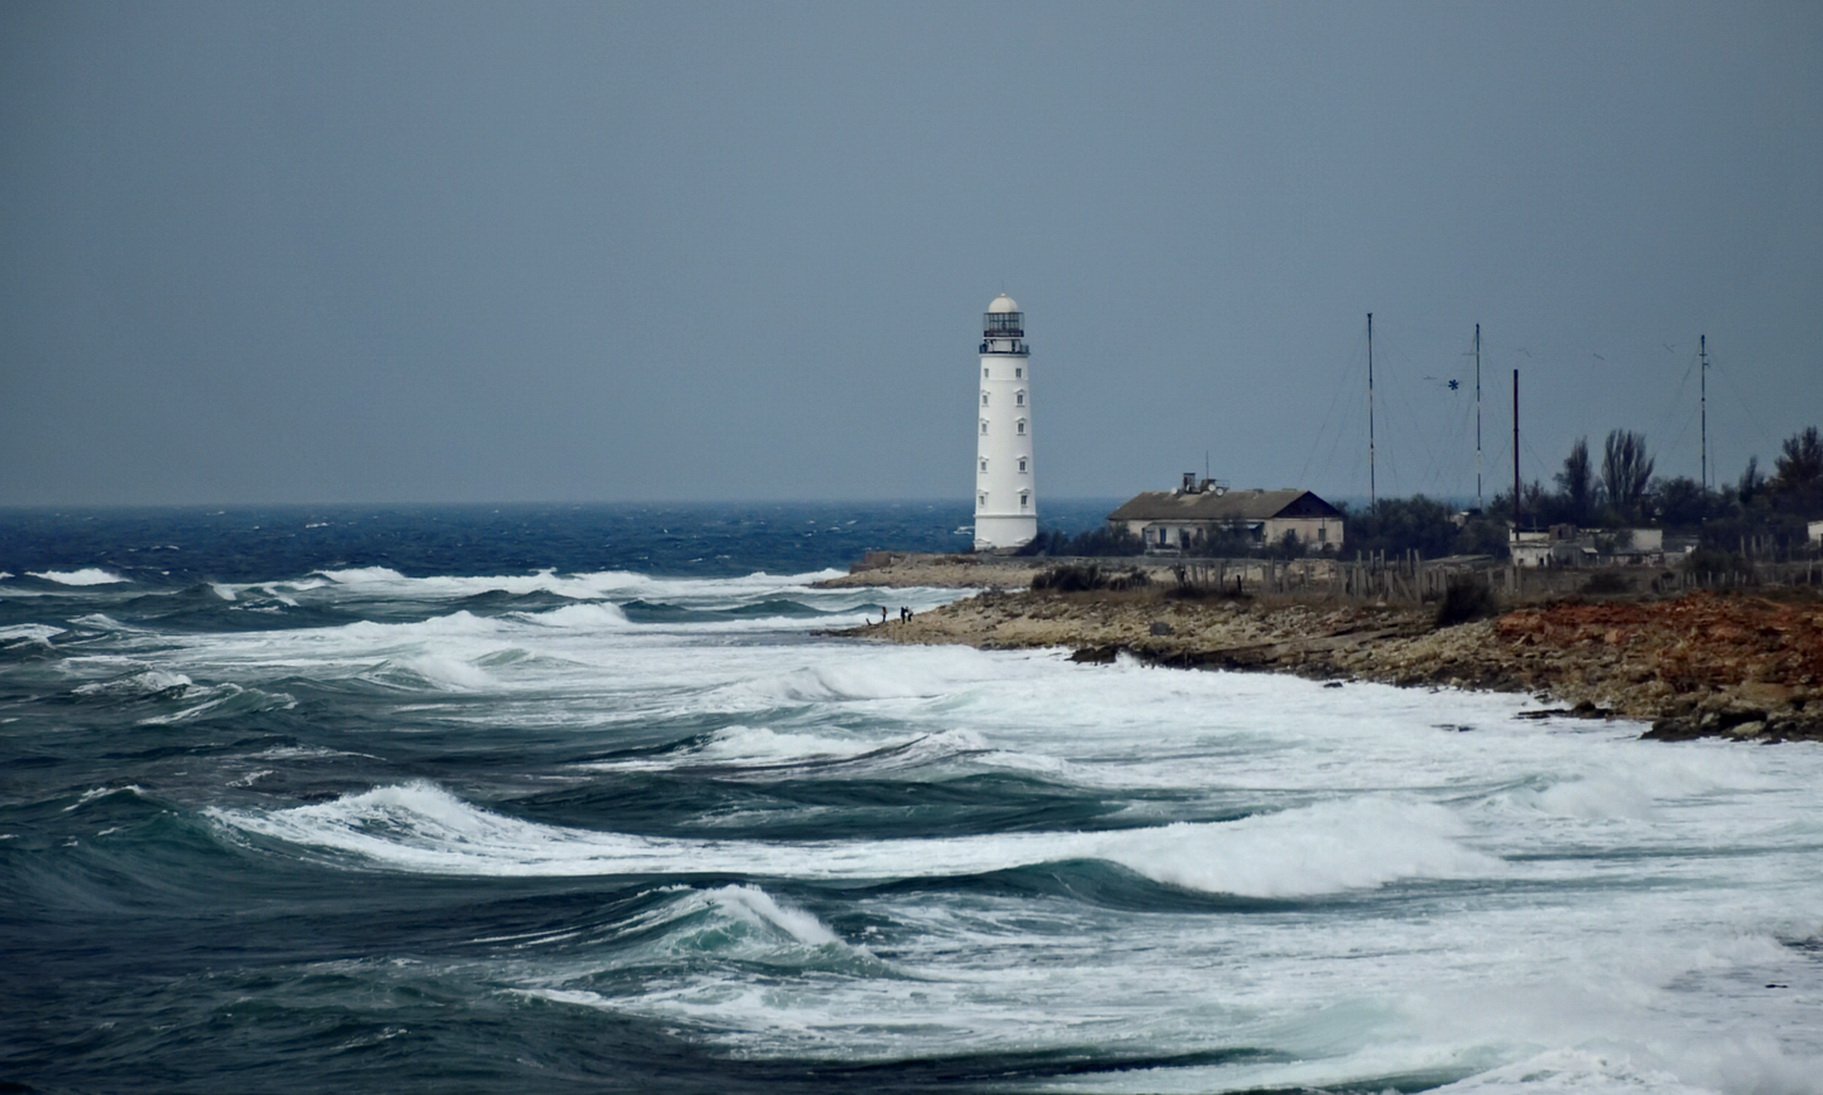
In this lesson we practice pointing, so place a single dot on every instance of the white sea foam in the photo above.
(1328, 848)
(87, 576)
(42, 633)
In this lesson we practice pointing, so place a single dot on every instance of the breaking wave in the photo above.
(87, 576)
(1328, 848)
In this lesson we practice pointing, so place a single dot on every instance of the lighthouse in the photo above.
(1006, 503)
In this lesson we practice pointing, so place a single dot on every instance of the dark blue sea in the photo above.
(586, 799)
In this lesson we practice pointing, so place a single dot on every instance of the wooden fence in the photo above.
(1409, 579)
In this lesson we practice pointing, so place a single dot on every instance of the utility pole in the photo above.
(1373, 493)
(1703, 341)
(1478, 503)
(1515, 454)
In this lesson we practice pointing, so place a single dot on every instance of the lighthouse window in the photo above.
(981, 499)
(1019, 397)
(984, 399)
(984, 465)
(984, 425)
(1019, 372)
(984, 372)
(1021, 429)
(1021, 465)
(1025, 499)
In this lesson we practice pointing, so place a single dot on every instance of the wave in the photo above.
(87, 576)
(36, 633)
(756, 752)
(615, 585)
(95, 793)
(143, 684)
(901, 673)
(580, 616)
(158, 686)
(751, 908)
(436, 672)
(1327, 848)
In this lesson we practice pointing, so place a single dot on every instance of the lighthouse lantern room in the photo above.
(1006, 502)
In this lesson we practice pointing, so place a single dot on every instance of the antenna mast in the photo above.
(1373, 494)
(1478, 504)
(1515, 454)
(1703, 341)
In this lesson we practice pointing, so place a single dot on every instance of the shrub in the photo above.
(1069, 578)
(1081, 577)
(1134, 578)
(1466, 598)
(1710, 563)
(1607, 581)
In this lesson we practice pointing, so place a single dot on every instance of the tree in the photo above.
(1681, 502)
(1576, 483)
(1752, 484)
(1797, 474)
(1626, 469)
(1404, 524)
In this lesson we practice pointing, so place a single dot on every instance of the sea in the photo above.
(590, 798)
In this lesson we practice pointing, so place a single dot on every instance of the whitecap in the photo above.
(149, 682)
(103, 792)
(41, 633)
(87, 576)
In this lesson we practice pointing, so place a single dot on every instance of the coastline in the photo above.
(1744, 666)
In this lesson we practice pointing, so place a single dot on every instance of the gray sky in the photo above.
(397, 252)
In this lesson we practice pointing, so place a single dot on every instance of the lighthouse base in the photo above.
(1004, 533)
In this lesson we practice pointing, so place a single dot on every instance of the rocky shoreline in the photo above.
(1741, 666)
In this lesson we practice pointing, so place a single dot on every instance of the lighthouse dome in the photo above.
(1002, 304)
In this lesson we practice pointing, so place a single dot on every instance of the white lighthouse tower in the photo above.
(1006, 503)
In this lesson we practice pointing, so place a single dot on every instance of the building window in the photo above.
(984, 399)
(981, 500)
(1021, 465)
(1021, 428)
(1019, 397)
(1322, 534)
(984, 372)
(1018, 372)
(984, 425)
(984, 465)
(1025, 499)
